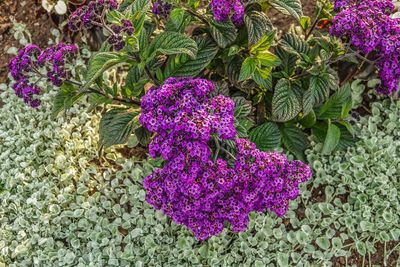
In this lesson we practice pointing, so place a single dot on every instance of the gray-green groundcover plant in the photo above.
(58, 208)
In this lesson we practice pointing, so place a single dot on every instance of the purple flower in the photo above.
(88, 16)
(26, 66)
(223, 9)
(195, 190)
(370, 29)
(162, 9)
(116, 39)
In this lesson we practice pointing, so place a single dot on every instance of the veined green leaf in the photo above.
(248, 68)
(294, 44)
(266, 136)
(267, 59)
(285, 104)
(333, 107)
(295, 140)
(223, 33)
(319, 87)
(65, 98)
(116, 125)
(288, 7)
(177, 66)
(332, 139)
(264, 44)
(101, 62)
(257, 24)
(172, 43)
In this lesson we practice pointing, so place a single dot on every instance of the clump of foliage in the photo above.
(59, 208)
(282, 88)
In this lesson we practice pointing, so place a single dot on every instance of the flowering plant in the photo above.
(260, 89)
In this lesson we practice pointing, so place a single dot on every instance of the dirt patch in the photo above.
(28, 12)
(283, 22)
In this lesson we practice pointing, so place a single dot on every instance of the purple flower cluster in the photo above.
(162, 9)
(89, 15)
(116, 39)
(19, 66)
(223, 9)
(27, 64)
(184, 117)
(195, 190)
(371, 30)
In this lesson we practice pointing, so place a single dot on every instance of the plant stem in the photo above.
(315, 23)
(200, 17)
(147, 70)
(94, 91)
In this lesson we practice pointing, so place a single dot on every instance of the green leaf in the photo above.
(307, 102)
(134, 85)
(309, 120)
(282, 259)
(242, 107)
(257, 24)
(288, 60)
(178, 66)
(114, 16)
(143, 136)
(141, 6)
(248, 68)
(173, 43)
(288, 7)
(319, 88)
(361, 247)
(285, 104)
(266, 136)
(337, 243)
(323, 243)
(101, 62)
(269, 60)
(178, 20)
(264, 44)
(294, 44)
(295, 140)
(332, 139)
(65, 98)
(333, 107)
(116, 126)
(305, 22)
(224, 33)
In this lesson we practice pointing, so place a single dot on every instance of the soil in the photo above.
(283, 22)
(28, 12)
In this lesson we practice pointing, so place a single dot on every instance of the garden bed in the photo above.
(92, 178)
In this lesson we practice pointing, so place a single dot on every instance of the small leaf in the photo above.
(267, 59)
(264, 44)
(319, 87)
(178, 67)
(285, 104)
(309, 120)
(305, 22)
(323, 243)
(292, 43)
(140, 6)
(332, 139)
(283, 259)
(266, 136)
(295, 140)
(65, 98)
(333, 107)
(361, 247)
(173, 43)
(288, 7)
(224, 33)
(248, 68)
(116, 125)
(101, 62)
(257, 24)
